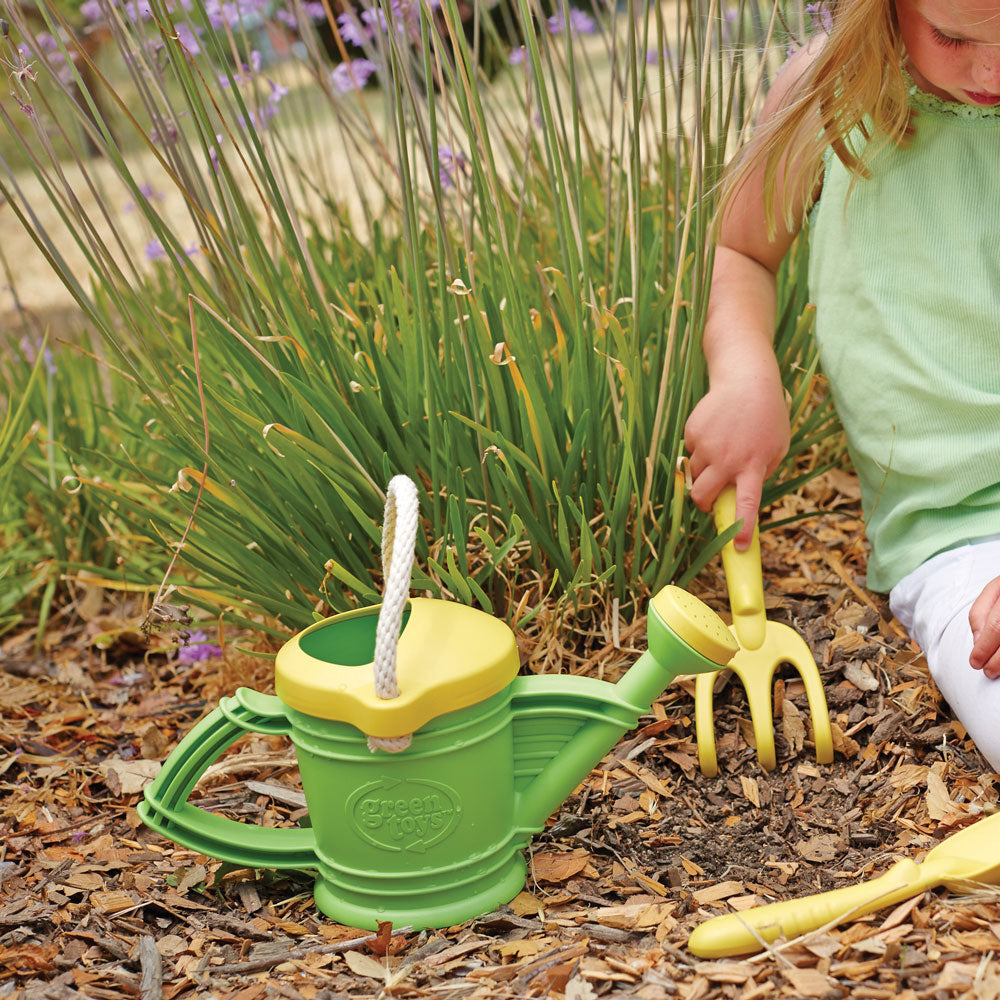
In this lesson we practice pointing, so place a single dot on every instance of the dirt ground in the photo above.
(93, 904)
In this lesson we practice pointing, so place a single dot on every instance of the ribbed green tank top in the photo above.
(906, 282)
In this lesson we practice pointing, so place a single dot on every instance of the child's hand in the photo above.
(984, 617)
(738, 433)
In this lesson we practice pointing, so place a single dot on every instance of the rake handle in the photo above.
(744, 579)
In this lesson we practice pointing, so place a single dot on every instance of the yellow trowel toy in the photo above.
(965, 858)
(764, 646)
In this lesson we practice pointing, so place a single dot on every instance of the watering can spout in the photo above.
(563, 726)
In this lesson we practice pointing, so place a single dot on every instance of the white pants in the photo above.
(933, 605)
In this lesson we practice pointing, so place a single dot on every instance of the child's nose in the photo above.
(987, 72)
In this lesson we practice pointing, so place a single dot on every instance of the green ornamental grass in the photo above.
(383, 242)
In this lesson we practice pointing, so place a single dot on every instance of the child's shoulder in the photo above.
(793, 78)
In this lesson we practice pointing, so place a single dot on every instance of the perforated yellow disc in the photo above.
(449, 656)
(696, 623)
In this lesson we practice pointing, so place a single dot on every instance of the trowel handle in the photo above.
(167, 810)
(749, 931)
(744, 579)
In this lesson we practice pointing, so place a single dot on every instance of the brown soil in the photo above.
(94, 905)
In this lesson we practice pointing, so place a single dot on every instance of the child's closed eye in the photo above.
(949, 41)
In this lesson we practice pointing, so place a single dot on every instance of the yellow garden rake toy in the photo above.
(764, 646)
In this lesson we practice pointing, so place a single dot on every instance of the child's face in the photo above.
(953, 47)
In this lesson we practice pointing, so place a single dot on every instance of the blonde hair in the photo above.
(851, 98)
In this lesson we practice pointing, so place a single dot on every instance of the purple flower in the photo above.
(375, 19)
(197, 648)
(236, 14)
(580, 23)
(821, 16)
(517, 56)
(278, 91)
(244, 74)
(351, 30)
(352, 75)
(450, 160)
(29, 348)
(147, 192)
(48, 43)
(92, 10)
(314, 10)
(167, 135)
(654, 56)
(138, 11)
(155, 250)
(186, 35)
(213, 153)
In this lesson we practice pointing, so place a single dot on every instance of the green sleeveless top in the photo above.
(905, 275)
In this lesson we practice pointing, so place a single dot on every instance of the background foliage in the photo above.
(486, 273)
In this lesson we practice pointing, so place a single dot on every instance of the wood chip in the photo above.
(808, 982)
(751, 790)
(111, 902)
(721, 890)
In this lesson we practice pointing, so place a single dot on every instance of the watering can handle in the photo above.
(744, 579)
(399, 539)
(166, 808)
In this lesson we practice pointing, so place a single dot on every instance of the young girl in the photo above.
(885, 133)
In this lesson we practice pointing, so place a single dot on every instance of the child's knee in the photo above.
(971, 695)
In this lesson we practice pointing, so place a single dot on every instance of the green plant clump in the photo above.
(334, 273)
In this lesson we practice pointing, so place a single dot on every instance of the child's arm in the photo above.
(739, 432)
(984, 617)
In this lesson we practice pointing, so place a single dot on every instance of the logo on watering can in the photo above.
(404, 815)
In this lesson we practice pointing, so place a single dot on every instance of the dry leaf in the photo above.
(365, 965)
(908, 776)
(553, 866)
(190, 877)
(792, 726)
(937, 799)
(517, 949)
(383, 939)
(579, 989)
(128, 777)
(845, 745)
(860, 675)
(821, 847)
(524, 904)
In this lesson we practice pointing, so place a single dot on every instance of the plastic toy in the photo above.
(763, 646)
(429, 835)
(962, 860)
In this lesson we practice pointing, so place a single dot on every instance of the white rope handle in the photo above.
(399, 539)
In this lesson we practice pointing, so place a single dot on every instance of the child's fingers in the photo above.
(984, 619)
(748, 492)
(706, 487)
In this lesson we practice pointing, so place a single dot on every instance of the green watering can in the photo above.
(423, 790)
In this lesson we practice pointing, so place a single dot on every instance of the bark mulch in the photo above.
(94, 905)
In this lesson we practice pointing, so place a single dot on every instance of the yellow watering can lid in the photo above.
(449, 656)
(700, 627)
